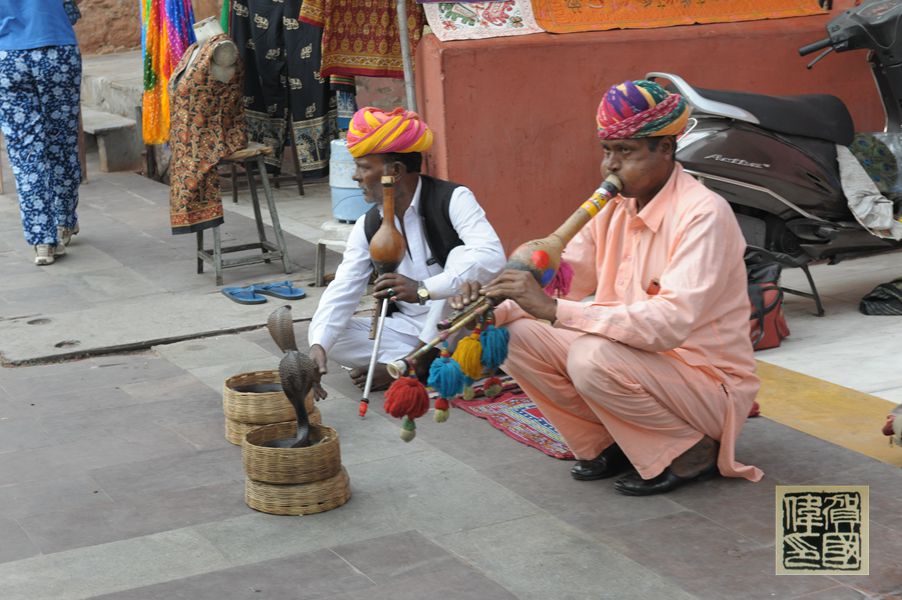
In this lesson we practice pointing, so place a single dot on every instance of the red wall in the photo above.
(514, 117)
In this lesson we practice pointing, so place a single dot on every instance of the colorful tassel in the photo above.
(469, 355)
(469, 393)
(445, 376)
(408, 429)
(442, 410)
(560, 284)
(494, 346)
(492, 388)
(407, 399)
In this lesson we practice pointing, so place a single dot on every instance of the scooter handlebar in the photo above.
(815, 46)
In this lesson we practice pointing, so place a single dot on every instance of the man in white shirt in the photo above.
(449, 241)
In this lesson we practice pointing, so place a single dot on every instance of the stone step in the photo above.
(113, 83)
(118, 139)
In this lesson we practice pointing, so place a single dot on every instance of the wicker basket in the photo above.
(303, 499)
(236, 430)
(320, 461)
(260, 407)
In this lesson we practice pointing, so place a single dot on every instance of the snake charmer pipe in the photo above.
(540, 257)
(386, 252)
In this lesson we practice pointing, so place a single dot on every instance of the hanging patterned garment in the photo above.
(362, 38)
(166, 31)
(283, 85)
(207, 125)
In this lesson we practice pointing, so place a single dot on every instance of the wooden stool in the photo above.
(248, 157)
(298, 174)
(335, 236)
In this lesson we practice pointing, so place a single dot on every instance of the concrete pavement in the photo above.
(116, 480)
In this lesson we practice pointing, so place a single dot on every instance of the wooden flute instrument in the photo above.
(540, 257)
(386, 252)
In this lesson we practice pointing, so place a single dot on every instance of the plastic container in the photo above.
(348, 204)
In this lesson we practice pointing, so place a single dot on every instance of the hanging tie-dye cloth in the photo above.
(166, 31)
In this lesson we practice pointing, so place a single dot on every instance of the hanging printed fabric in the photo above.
(284, 93)
(166, 31)
(471, 21)
(363, 38)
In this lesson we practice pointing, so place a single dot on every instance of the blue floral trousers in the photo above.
(39, 106)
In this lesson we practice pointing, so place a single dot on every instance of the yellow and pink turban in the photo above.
(373, 131)
(636, 109)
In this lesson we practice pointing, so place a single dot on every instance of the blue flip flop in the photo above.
(280, 289)
(243, 295)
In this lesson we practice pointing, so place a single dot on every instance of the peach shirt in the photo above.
(669, 279)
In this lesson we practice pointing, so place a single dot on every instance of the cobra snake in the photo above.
(299, 375)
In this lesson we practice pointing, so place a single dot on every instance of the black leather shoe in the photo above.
(667, 481)
(612, 461)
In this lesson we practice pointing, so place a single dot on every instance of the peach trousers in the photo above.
(597, 391)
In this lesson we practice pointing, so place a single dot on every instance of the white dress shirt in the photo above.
(480, 258)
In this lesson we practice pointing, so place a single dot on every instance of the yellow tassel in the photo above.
(469, 356)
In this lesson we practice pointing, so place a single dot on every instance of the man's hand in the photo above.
(522, 288)
(318, 355)
(470, 292)
(396, 287)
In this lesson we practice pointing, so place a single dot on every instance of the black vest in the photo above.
(435, 198)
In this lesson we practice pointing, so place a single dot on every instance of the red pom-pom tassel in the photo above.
(406, 397)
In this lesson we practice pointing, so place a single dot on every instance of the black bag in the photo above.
(885, 299)
(767, 323)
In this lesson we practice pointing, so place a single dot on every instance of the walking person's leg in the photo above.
(59, 86)
(21, 119)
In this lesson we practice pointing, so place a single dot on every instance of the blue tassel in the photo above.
(494, 346)
(446, 377)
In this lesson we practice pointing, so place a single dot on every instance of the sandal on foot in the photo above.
(245, 295)
(280, 289)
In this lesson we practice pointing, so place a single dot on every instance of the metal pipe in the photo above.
(405, 56)
(365, 400)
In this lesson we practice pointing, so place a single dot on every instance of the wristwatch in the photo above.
(422, 293)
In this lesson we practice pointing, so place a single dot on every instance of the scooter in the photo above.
(773, 158)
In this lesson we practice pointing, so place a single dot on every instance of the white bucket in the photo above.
(348, 204)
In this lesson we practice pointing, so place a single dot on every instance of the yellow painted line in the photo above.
(831, 412)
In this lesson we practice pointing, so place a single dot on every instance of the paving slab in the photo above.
(133, 289)
(568, 563)
(843, 347)
(116, 480)
(520, 528)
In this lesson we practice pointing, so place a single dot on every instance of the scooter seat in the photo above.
(819, 116)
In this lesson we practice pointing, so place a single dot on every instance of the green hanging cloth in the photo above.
(224, 15)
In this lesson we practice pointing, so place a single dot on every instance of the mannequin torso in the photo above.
(225, 54)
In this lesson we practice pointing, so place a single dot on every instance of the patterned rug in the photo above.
(477, 20)
(518, 417)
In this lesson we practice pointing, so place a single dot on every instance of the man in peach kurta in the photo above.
(656, 371)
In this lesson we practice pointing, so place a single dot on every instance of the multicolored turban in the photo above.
(635, 109)
(373, 131)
